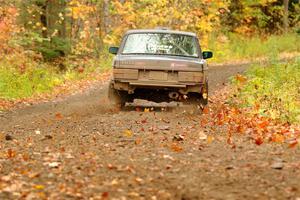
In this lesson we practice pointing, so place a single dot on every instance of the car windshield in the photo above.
(161, 44)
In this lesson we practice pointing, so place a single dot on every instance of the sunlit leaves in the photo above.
(79, 10)
(200, 17)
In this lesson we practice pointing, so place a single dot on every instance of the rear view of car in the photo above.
(159, 65)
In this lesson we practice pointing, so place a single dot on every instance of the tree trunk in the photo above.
(55, 22)
(104, 22)
(286, 15)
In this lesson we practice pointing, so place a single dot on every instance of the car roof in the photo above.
(160, 31)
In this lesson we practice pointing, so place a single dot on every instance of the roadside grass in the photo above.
(22, 76)
(272, 91)
(233, 48)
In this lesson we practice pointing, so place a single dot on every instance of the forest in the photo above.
(59, 28)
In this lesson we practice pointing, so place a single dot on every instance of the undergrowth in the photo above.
(22, 76)
(235, 47)
(272, 91)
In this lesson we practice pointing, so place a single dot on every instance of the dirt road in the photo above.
(81, 148)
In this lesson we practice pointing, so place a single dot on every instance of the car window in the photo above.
(161, 44)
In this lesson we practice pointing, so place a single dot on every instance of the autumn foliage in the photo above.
(229, 114)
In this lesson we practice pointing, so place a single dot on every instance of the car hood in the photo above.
(170, 63)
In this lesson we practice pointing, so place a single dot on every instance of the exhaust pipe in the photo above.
(174, 95)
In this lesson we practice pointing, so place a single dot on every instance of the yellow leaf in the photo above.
(39, 187)
(128, 133)
(210, 139)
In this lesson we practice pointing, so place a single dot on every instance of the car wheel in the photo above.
(117, 97)
(204, 96)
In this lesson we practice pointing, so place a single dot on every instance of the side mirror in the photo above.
(113, 50)
(207, 54)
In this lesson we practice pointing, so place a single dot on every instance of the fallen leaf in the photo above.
(54, 164)
(202, 135)
(263, 124)
(205, 110)
(115, 182)
(293, 143)
(39, 187)
(139, 180)
(164, 128)
(133, 194)
(105, 195)
(58, 116)
(259, 141)
(178, 138)
(210, 139)
(8, 137)
(110, 166)
(241, 78)
(34, 175)
(278, 138)
(128, 133)
(168, 157)
(11, 153)
(277, 165)
(138, 141)
(48, 137)
(25, 156)
(175, 147)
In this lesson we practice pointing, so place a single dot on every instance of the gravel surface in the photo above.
(82, 148)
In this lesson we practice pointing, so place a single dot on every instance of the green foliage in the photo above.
(45, 27)
(54, 48)
(274, 90)
(15, 85)
(236, 47)
(250, 17)
(50, 48)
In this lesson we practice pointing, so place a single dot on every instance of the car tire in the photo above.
(204, 99)
(118, 98)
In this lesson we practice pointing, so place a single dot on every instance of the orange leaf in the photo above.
(241, 78)
(263, 124)
(138, 141)
(25, 156)
(11, 153)
(259, 141)
(58, 116)
(105, 195)
(205, 110)
(293, 144)
(175, 147)
(278, 138)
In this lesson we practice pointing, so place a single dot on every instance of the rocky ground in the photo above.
(82, 148)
